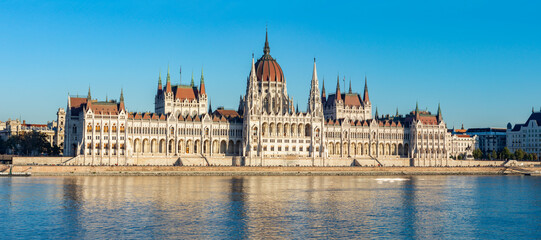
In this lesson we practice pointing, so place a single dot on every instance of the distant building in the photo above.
(461, 144)
(525, 136)
(16, 127)
(489, 139)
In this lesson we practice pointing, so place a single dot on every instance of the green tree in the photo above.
(494, 155)
(3, 146)
(519, 154)
(506, 154)
(29, 143)
(534, 157)
(460, 157)
(477, 153)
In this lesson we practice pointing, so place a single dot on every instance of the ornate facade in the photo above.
(266, 130)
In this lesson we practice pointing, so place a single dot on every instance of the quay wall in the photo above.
(252, 171)
(272, 162)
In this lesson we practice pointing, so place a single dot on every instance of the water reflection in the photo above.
(289, 207)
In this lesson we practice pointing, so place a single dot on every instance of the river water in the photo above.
(287, 207)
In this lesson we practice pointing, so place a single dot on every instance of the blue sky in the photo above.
(480, 59)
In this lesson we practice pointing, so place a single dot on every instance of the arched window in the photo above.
(122, 128)
(98, 128)
(88, 128)
(114, 128)
(106, 128)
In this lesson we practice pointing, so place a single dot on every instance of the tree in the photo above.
(477, 153)
(460, 157)
(506, 154)
(494, 155)
(29, 143)
(3, 146)
(519, 154)
(534, 157)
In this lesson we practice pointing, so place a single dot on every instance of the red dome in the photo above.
(267, 69)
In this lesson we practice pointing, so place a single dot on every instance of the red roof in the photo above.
(352, 100)
(185, 92)
(77, 102)
(226, 113)
(429, 120)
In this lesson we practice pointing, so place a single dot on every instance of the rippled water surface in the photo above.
(292, 207)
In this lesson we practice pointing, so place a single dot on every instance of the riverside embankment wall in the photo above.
(256, 171)
(277, 162)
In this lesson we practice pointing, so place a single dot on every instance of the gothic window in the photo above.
(88, 128)
(106, 128)
(114, 128)
(122, 128)
(98, 128)
(266, 105)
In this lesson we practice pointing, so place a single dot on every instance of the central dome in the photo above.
(267, 69)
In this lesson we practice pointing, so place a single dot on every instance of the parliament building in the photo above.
(337, 129)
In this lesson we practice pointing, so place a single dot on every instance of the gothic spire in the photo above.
(89, 97)
(376, 116)
(366, 99)
(266, 49)
(202, 83)
(350, 92)
(323, 94)
(397, 112)
(314, 99)
(180, 75)
(121, 104)
(191, 84)
(210, 107)
(338, 94)
(168, 75)
(159, 81)
(168, 83)
(417, 110)
(439, 116)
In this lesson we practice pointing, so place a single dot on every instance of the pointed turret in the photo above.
(121, 105)
(338, 94)
(241, 106)
(297, 108)
(397, 112)
(439, 116)
(88, 97)
(376, 115)
(366, 99)
(252, 79)
(323, 94)
(350, 91)
(191, 84)
(266, 49)
(160, 82)
(168, 83)
(314, 101)
(202, 84)
(417, 110)
(210, 107)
